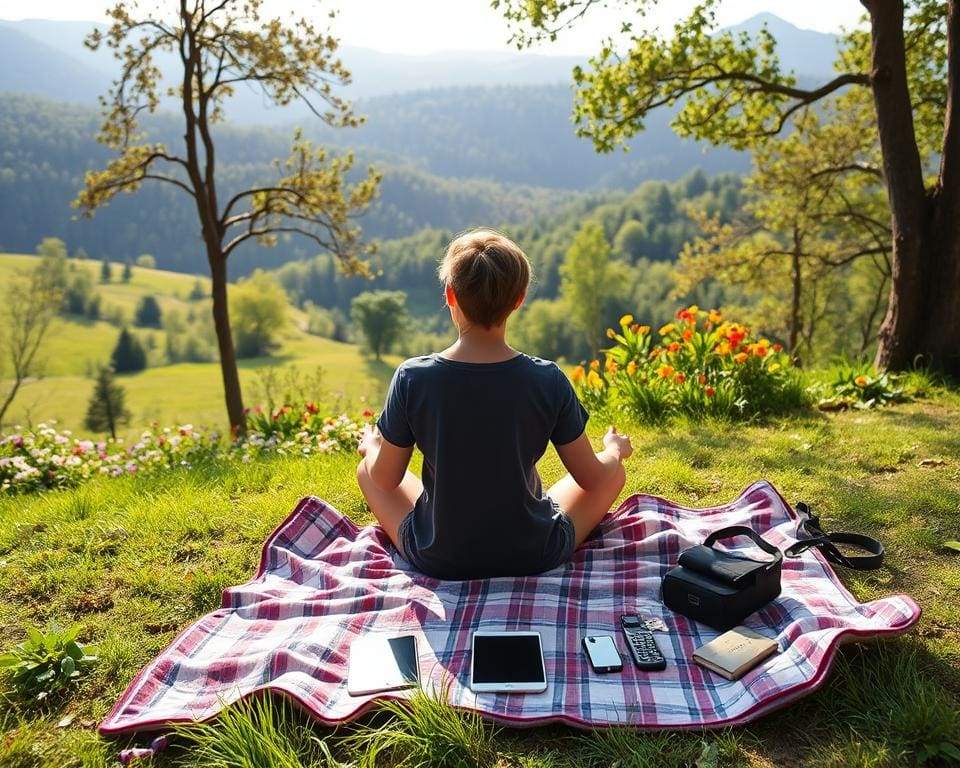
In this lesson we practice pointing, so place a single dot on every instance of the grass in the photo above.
(183, 392)
(134, 560)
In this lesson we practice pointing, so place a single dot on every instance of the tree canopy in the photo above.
(221, 46)
(732, 90)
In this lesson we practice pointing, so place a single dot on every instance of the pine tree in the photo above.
(148, 314)
(127, 272)
(128, 356)
(105, 273)
(106, 409)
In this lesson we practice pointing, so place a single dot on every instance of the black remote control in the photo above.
(642, 644)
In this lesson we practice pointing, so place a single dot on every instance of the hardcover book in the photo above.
(734, 653)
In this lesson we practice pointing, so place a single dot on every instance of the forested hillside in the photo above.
(646, 229)
(46, 146)
(523, 135)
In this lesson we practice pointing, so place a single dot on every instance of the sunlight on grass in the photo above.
(253, 733)
(136, 559)
(423, 731)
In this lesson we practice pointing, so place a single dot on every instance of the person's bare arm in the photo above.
(386, 463)
(591, 470)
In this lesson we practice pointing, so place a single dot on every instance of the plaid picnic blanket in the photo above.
(323, 582)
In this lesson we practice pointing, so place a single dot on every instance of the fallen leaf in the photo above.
(66, 721)
(954, 545)
(931, 463)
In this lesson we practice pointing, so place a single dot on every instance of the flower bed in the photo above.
(48, 458)
(702, 365)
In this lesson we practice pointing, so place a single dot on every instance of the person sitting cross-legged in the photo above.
(482, 414)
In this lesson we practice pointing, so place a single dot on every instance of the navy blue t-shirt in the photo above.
(481, 428)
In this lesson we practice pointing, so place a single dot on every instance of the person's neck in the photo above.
(477, 344)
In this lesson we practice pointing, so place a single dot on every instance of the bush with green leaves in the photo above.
(701, 366)
(860, 386)
(45, 663)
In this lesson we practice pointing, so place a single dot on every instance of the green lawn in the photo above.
(135, 560)
(183, 392)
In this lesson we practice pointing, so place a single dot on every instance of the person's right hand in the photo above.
(620, 443)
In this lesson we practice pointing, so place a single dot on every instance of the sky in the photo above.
(426, 26)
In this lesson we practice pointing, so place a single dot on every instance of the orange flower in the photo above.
(668, 328)
(655, 351)
(635, 327)
(611, 366)
(778, 347)
(631, 368)
(611, 333)
(714, 316)
(665, 371)
(594, 365)
(701, 379)
(687, 334)
(722, 349)
(741, 357)
(577, 374)
(680, 378)
(860, 381)
(760, 351)
(709, 391)
(594, 380)
(626, 320)
(693, 309)
(674, 346)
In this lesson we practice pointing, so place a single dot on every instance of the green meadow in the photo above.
(134, 560)
(182, 392)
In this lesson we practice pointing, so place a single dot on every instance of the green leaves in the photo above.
(731, 86)
(45, 663)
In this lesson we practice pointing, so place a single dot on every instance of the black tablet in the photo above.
(507, 662)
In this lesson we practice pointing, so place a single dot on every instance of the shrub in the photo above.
(45, 664)
(860, 386)
(128, 356)
(46, 458)
(702, 366)
(299, 430)
(147, 314)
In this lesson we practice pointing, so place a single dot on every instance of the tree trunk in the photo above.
(922, 314)
(228, 356)
(795, 300)
(940, 340)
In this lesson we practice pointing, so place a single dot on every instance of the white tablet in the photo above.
(507, 662)
(382, 663)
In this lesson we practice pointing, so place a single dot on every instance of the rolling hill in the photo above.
(183, 391)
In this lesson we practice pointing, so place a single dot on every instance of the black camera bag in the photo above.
(718, 588)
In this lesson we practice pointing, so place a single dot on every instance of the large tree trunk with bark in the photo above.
(922, 314)
(940, 340)
(228, 356)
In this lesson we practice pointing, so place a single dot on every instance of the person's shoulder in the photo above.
(417, 366)
(421, 361)
(541, 367)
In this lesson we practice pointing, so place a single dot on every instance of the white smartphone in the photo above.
(602, 652)
(507, 662)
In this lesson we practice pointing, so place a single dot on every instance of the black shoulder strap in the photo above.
(742, 530)
(810, 535)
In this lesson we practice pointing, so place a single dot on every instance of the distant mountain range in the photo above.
(48, 58)
(462, 138)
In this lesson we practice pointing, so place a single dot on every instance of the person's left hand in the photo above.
(370, 438)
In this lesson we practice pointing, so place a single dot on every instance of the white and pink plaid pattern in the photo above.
(323, 582)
